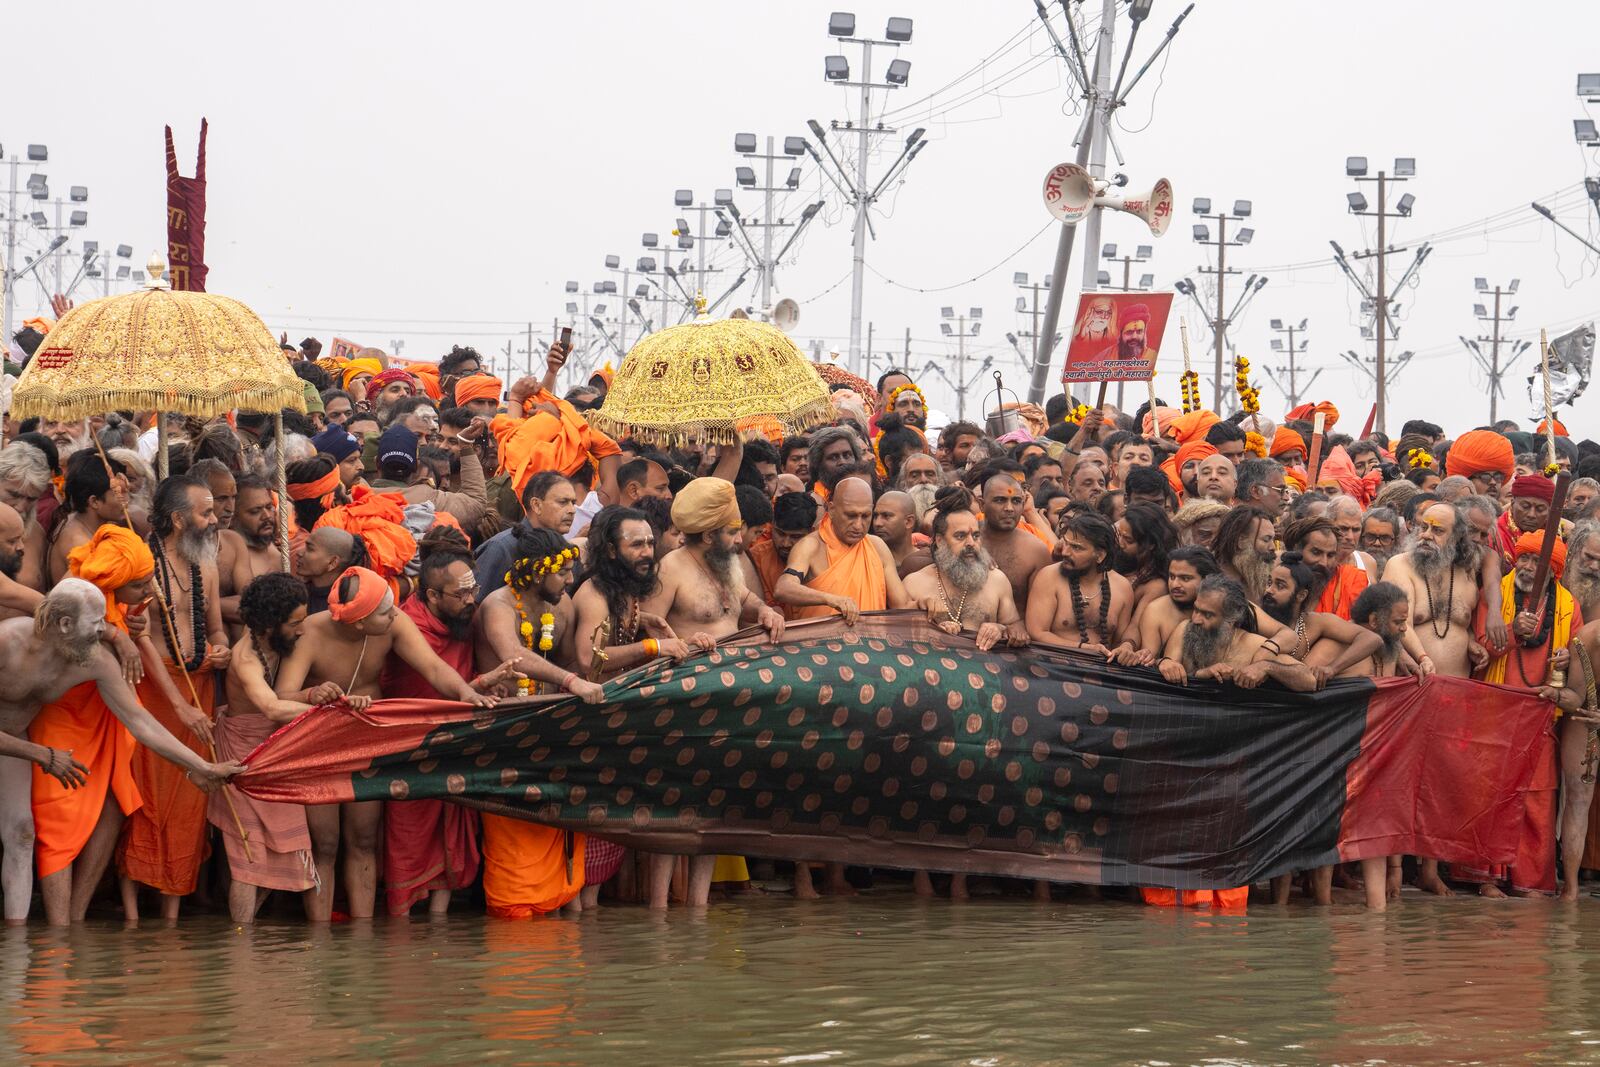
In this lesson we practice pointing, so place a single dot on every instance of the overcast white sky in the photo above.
(435, 175)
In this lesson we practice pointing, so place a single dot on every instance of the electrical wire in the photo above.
(982, 274)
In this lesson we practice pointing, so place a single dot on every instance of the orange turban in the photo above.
(427, 376)
(1192, 426)
(1477, 451)
(367, 598)
(546, 442)
(1191, 451)
(1561, 431)
(605, 374)
(112, 558)
(1533, 541)
(316, 490)
(1306, 411)
(478, 387)
(1286, 440)
(705, 504)
(1167, 415)
(357, 367)
(378, 519)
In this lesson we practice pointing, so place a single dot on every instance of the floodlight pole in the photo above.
(1294, 380)
(1220, 324)
(1091, 155)
(9, 274)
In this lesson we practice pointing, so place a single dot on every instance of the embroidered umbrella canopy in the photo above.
(711, 380)
(157, 350)
(833, 374)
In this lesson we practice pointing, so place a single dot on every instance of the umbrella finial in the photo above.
(155, 268)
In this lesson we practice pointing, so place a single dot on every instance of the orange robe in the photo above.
(1339, 596)
(64, 818)
(855, 571)
(165, 840)
(1220, 899)
(770, 568)
(527, 868)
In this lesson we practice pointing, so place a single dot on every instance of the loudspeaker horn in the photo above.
(785, 314)
(1155, 209)
(1068, 192)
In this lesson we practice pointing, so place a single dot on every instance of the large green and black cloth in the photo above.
(893, 744)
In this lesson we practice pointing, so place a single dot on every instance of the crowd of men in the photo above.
(453, 538)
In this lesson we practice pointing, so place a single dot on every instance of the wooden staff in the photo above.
(166, 615)
(1155, 416)
(1549, 409)
(1552, 531)
(1315, 462)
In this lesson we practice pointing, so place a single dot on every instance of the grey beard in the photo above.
(199, 546)
(967, 575)
(1585, 588)
(1253, 572)
(1391, 644)
(1426, 559)
(1203, 648)
(720, 562)
(79, 650)
(1522, 585)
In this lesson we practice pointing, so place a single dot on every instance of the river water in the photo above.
(883, 978)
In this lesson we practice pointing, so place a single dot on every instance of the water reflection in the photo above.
(884, 978)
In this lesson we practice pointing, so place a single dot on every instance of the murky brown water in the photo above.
(879, 979)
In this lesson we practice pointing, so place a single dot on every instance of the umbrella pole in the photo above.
(161, 445)
(283, 491)
(166, 615)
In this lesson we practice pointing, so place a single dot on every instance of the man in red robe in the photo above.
(430, 847)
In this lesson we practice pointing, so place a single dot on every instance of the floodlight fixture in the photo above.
(36, 180)
(124, 251)
(1109, 251)
(682, 197)
(1019, 277)
(899, 72)
(944, 328)
(1355, 166)
(1276, 324)
(685, 241)
(947, 313)
(1589, 87)
(1144, 252)
(613, 262)
(608, 287)
(572, 309)
(744, 176)
(1241, 208)
(841, 24)
(898, 29)
(1022, 305)
(1405, 166)
(38, 153)
(1480, 311)
(744, 142)
(572, 287)
(793, 181)
(39, 192)
(649, 240)
(835, 68)
(91, 248)
(1358, 202)
(1515, 282)
(974, 313)
(646, 265)
(78, 218)
(1407, 202)
(78, 194)
(1202, 205)
(1245, 235)
(39, 218)
(1102, 279)
(1147, 281)
(1201, 232)
(1513, 312)
(794, 146)
(1584, 132)
(1481, 284)
(122, 271)
(724, 228)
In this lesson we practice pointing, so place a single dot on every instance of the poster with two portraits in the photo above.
(1116, 337)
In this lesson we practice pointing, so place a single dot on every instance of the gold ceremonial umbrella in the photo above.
(710, 380)
(833, 374)
(157, 350)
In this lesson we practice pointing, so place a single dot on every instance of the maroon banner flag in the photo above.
(186, 220)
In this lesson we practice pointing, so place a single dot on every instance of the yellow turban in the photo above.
(111, 559)
(705, 504)
(357, 367)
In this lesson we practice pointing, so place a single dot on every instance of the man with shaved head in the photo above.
(326, 554)
(841, 567)
(14, 596)
(894, 520)
(40, 659)
(1017, 553)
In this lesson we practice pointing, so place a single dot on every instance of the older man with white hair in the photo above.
(40, 659)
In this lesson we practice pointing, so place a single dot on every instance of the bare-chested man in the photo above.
(255, 519)
(230, 546)
(1287, 601)
(620, 574)
(14, 596)
(1187, 567)
(94, 498)
(1216, 644)
(540, 570)
(1582, 574)
(1579, 743)
(963, 592)
(1439, 570)
(702, 591)
(1017, 553)
(840, 567)
(1081, 602)
(347, 645)
(40, 659)
(894, 520)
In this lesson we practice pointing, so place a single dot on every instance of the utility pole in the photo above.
(856, 189)
(38, 189)
(1219, 324)
(1141, 254)
(1029, 305)
(1294, 351)
(1102, 97)
(735, 225)
(1490, 364)
(1404, 168)
(961, 333)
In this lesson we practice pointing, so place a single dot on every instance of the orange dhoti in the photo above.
(64, 818)
(165, 840)
(854, 571)
(1220, 899)
(529, 869)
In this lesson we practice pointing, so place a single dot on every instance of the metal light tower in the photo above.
(763, 259)
(856, 190)
(1141, 254)
(1202, 236)
(37, 189)
(960, 332)
(1294, 350)
(1490, 364)
(1405, 168)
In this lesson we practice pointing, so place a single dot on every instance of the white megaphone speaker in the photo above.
(1068, 192)
(785, 314)
(1155, 209)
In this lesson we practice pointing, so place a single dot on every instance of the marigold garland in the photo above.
(1255, 444)
(1079, 413)
(1552, 469)
(897, 390)
(1249, 395)
(1419, 457)
(1189, 386)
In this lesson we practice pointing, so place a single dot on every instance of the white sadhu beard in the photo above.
(1204, 648)
(967, 573)
(1427, 559)
(80, 647)
(722, 562)
(1253, 572)
(199, 546)
(1585, 588)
